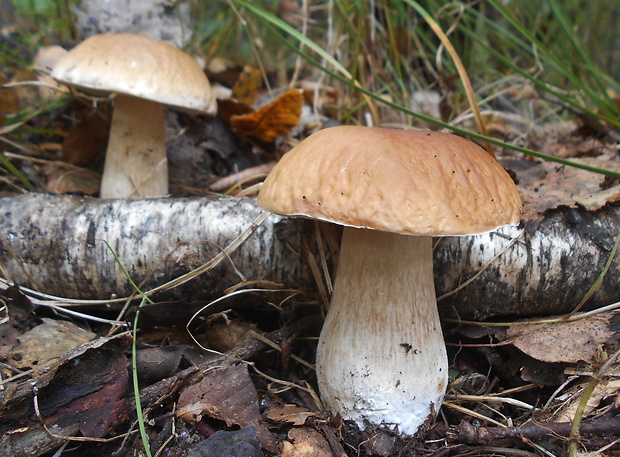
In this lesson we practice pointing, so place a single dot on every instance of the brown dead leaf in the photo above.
(306, 443)
(63, 178)
(549, 185)
(224, 336)
(52, 339)
(606, 388)
(248, 84)
(290, 414)
(229, 395)
(273, 120)
(563, 341)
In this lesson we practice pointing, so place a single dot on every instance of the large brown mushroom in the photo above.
(146, 75)
(381, 356)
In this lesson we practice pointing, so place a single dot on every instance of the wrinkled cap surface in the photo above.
(419, 183)
(139, 66)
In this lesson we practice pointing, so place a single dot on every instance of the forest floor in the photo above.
(238, 379)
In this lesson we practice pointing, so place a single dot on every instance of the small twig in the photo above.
(469, 412)
(488, 398)
(467, 433)
(227, 182)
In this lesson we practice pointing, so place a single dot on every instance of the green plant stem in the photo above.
(136, 389)
(134, 352)
(15, 172)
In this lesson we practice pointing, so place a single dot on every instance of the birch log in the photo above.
(55, 244)
(545, 272)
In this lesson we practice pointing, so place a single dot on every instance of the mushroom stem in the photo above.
(136, 164)
(381, 357)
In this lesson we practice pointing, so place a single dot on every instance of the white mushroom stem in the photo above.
(135, 163)
(381, 356)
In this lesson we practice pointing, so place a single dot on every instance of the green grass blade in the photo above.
(429, 119)
(134, 352)
(136, 390)
(541, 84)
(280, 24)
(4, 162)
(601, 99)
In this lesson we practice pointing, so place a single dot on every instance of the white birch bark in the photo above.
(55, 244)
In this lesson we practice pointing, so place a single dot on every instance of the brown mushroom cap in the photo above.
(138, 66)
(419, 183)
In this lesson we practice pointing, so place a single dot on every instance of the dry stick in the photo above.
(467, 433)
(231, 180)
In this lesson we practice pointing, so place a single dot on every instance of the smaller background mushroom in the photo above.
(146, 75)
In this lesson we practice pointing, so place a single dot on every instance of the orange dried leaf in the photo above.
(226, 109)
(272, 120)
(247, 86)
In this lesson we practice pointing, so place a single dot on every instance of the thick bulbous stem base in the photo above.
(381, 357)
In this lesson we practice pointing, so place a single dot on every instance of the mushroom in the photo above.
(44, 60)
(146, 75)
(381, 357)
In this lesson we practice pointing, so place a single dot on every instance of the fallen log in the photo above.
(55, 244)
(521, 273)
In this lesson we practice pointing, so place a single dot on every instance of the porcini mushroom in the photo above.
(381, 357)
(146, 75)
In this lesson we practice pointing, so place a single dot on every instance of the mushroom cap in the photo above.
(418, 183)
(138, 66)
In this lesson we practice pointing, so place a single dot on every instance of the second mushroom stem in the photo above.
(135, 164)
(381, 356)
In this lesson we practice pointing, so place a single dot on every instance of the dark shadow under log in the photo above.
(55, 244)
